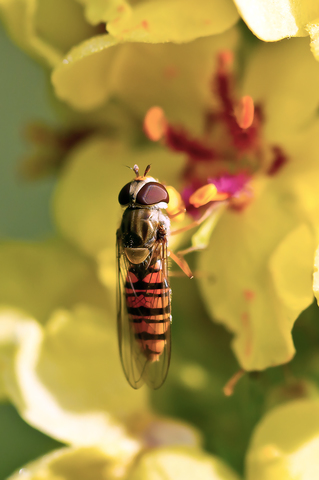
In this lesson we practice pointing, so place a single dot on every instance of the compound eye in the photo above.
(124, 195)
(152, 193)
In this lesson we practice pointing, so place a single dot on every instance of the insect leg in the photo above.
(173, 215)
(196, 223)
(181, 262)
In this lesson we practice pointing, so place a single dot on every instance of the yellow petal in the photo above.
(313, 30)
(174, 20)
(285, 443)
(67, 381)
(243, 284)
(180, 76)
(273, 21)
(100, 11)
(184, 463)
(176, 205)
(291, 272)
(83, 77)
(46, 29)
(275, 79)
(303, 175)
(82, 463)
(41, 276)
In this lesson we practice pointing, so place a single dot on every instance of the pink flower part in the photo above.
(231, 184)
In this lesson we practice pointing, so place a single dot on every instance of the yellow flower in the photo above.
(251, 278)
(169, 463)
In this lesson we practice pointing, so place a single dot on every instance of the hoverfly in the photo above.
(144, 295)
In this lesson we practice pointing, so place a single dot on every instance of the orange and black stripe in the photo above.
(149, 310)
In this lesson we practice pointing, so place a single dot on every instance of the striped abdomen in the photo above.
(149, 309)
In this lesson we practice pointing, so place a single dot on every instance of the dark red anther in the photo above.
(278, 162)
(242, 139)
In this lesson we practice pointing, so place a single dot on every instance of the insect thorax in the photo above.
(142, 227)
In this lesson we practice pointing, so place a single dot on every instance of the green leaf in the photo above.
(316, 276)
(19, 443)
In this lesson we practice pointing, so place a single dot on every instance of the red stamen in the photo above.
(239, 152)
(225, 61)
(177, 139)
(279, 161)
(243, 139)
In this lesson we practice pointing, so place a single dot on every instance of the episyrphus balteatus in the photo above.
(144, 295)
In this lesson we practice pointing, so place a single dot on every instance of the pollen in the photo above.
(155, 123)
(176, 207)
(207, 193)
(244, 112)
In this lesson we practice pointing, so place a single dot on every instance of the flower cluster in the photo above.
(232, 124)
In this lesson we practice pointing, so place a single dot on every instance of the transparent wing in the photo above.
(127, 344)
(144, 319)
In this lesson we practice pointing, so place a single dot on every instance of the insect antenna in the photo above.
(147, 169)
(135, 169)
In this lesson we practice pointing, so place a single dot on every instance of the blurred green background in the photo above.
(24, 213)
